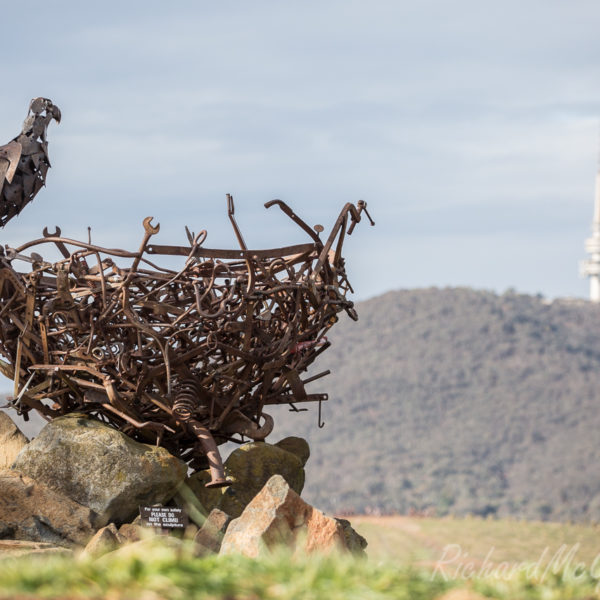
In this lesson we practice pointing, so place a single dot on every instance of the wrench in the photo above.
(59, 245)
(150, 231)
(78, 267)
(12, 254)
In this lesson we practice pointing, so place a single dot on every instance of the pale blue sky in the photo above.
(470, 127)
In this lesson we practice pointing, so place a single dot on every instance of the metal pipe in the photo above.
(209, 447)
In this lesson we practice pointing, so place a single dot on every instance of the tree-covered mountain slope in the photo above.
(456, 401)
(459, 401)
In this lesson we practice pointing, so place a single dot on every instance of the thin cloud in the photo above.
(457, 122)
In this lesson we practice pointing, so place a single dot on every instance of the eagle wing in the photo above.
(9, 160)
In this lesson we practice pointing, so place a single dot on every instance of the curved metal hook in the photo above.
(320, 422)
(292, 215)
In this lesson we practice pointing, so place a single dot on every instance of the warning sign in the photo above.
(164, 517)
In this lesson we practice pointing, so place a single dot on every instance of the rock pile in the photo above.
(277, 515)
(248, 468)
(80, 484)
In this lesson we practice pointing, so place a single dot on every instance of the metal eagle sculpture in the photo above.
(188, 358)
(24, 161)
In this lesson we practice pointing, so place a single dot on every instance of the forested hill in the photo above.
(456, 401)
(459, 401)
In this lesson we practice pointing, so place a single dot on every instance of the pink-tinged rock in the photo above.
(31, 511)
(105, 540)
(278, 516)
(210, 536)
(130, 532)
(12, 441)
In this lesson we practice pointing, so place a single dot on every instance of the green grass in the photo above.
(161, 572)
(405, 540)
(402, 565)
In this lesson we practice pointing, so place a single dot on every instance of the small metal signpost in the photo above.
(163, 517)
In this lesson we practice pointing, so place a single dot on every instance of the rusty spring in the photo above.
(172, 357)
(186, 399)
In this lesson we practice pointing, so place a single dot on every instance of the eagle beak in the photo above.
(38, 105)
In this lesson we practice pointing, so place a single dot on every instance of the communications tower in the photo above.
(591, 267)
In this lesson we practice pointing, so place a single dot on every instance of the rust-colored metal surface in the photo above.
(186, 358)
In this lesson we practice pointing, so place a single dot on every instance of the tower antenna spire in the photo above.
(591, 267)
(598, 149)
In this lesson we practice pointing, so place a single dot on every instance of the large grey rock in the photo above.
(31, 511)
(296, 445)
(278, 516)
(101, 468)
(12, 441)
(248, 468)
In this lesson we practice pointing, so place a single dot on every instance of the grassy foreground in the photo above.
(162, 572)
(156, 572)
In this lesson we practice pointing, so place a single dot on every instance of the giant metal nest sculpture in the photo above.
(185, 359)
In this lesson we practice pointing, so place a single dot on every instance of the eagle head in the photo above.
(38, 105)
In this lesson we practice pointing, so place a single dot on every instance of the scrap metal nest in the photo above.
(185, 359)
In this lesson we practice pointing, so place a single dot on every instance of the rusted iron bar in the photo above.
(186, 358)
